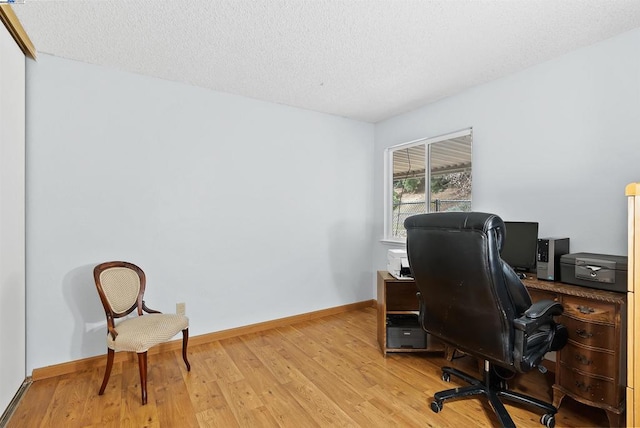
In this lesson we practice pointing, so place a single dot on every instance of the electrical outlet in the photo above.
(181, 308)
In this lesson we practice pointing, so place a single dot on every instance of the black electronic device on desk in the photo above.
(520, 244)
(404, 331)
(600, 271)
(549, 252)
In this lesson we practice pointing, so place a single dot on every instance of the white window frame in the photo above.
(388, 177)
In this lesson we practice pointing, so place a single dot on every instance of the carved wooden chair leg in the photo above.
(107, 372)
(185, 340)
(142, 365)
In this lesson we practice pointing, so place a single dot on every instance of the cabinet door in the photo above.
(401, 296)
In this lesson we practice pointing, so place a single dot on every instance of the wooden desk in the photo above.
(591, 368)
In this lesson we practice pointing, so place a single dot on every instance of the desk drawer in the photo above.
(596, 335)
(401, 296)
(589, 310)
(590, 388)
(589, 360)
(539, 295)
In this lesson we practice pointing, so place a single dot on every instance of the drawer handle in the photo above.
(582, 386)
(583, 359)
(584, 333)
(586, 309)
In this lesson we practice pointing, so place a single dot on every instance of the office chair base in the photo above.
(493, 387)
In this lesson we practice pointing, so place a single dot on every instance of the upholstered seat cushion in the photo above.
(140, 333)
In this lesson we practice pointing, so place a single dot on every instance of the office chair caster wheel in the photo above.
(436, 406)
(446, 377)
(547, 420)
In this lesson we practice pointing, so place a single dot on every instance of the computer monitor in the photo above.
(520, 245)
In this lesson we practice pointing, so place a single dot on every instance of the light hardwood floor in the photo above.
(320, 373)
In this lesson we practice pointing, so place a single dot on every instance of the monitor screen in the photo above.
(520, 245)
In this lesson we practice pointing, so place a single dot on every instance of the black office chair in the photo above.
(472, 300)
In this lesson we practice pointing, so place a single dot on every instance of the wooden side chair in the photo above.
(121, 288)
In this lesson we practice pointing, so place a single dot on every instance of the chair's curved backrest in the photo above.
(469, 297)
(120, 286)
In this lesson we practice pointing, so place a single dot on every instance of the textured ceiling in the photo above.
(366, 60)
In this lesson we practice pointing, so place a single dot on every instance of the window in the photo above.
(428, 175)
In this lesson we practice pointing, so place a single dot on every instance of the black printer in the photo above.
(601, 271)
(404, 331)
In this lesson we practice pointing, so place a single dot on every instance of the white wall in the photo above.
(12, 223)
(196, 187)
(556, 143)
(245, 210)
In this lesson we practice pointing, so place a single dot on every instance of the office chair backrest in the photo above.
(469, 295)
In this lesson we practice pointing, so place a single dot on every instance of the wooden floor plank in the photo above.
(97, 410)
(285, 409)
(68, 403)
(324, 377)
(219, 414)
(325, 372)
(40, 395)
(171, 395)
(132, 412)
(246, 405)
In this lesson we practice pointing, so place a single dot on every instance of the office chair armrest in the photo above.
(539, 314)
(544, 308)
(528, 348)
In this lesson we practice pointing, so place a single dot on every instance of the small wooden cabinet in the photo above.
(398, 297)
(591, 367)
